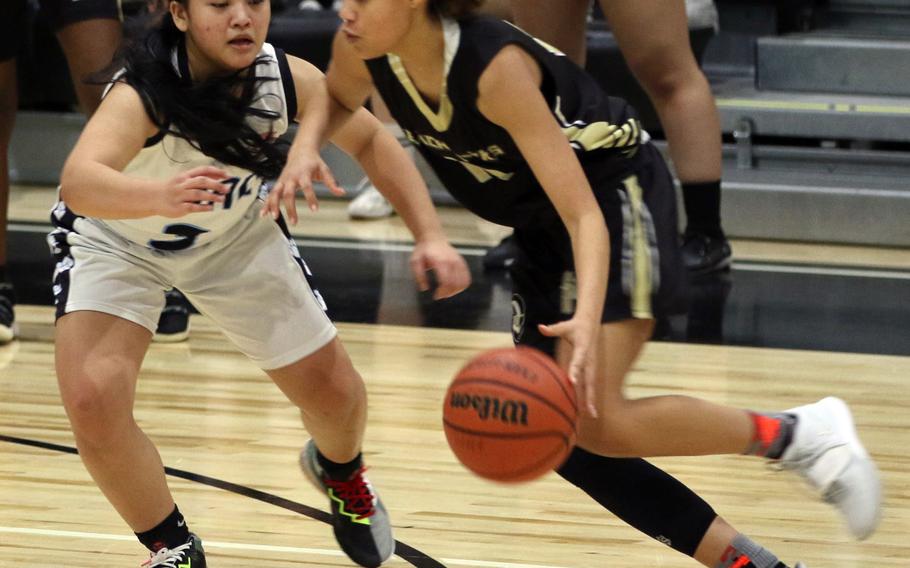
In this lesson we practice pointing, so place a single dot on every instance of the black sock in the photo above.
(339, 471)
(702, 203)
(170, 533)
(643, 496)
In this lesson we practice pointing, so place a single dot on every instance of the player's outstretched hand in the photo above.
(449, 268)
(299, 174)
(193, 191)
(578, 334)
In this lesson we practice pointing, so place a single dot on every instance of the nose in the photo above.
(241, 15)
(346, 13)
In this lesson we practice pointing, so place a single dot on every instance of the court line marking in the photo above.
(213, 544)
(745, 265)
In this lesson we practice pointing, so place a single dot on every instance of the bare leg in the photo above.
(8, 103)
(98, 358)
(560, 23)
(331, 397)
(654, 38)
(89, 48)
(655, 426)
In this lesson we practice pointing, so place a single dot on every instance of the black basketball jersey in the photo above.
(476, 159)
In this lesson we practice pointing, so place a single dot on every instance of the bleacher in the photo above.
(813, 95)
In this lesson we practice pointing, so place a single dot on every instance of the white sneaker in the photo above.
(369, 203)
(827, 453)
(309, 5)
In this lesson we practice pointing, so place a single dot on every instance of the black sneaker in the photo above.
(7, 313)
(189, 555)
(359, 519)
(703, 253)
(502, 255)
(174, 323)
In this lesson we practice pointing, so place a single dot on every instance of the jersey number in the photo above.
(187, 233)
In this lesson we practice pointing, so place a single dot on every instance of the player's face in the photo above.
(376, 27)
(222, 36)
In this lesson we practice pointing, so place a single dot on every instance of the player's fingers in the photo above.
(310, 196)
(203, 196)
(419, 269)
(290, 206)
(328, 179)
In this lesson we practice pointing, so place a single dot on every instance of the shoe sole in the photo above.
(171, 337)
(7, 334)
(846, 428)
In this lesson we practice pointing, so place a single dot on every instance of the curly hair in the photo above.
(453, 8)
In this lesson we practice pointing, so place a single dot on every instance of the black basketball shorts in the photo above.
(647, 278)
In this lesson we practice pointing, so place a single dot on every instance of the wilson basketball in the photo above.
(510, 414)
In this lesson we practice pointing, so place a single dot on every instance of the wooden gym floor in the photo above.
(231, 440)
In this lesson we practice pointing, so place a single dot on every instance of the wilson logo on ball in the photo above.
(492, 408)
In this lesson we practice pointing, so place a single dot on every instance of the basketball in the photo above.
(510, 414)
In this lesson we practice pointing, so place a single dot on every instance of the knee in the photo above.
(98, 403)
(610, 433)
(661, 76)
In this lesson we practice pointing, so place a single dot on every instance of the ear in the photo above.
(179, 14)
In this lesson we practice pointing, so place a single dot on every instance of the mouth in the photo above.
(349, 35)
(242, 42)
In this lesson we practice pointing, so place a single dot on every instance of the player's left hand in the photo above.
(582, 337)
(299, 173)
(448, 266)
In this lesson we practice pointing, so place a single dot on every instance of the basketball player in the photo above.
(164, 189)
(654, 40)
(89, 31)
(523, 137)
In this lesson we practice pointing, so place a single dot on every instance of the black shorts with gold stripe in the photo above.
(647, 279)
(58, 13)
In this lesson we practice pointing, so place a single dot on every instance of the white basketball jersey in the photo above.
(170, 156)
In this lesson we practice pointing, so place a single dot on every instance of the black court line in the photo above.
(403, 551)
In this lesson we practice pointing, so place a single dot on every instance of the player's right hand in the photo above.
(194, 191)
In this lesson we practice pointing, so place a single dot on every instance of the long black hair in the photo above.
(212, 114)
(453, 8)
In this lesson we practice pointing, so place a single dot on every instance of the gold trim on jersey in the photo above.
(441, 119)
(598, 135)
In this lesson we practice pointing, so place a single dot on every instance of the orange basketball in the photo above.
(510, 414)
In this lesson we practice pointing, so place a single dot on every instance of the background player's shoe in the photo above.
(359, 519)
(7, 313)
(703, 253)
(189, 555)
(502, 256)
(827, 453)
(369, 203)
(174, 322)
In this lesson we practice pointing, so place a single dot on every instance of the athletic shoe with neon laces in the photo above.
(359, 519)
(827, 453)
(189, 555)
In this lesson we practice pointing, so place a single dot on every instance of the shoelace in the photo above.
(167, 556)
(356, 494)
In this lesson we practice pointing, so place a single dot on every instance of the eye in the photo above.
(219, 4)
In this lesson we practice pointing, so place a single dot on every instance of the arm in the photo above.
(92, 182)
(320, 114)
(513, 75)
(394, 173)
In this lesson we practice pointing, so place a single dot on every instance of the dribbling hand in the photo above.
(582, 364)
(194, 191)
